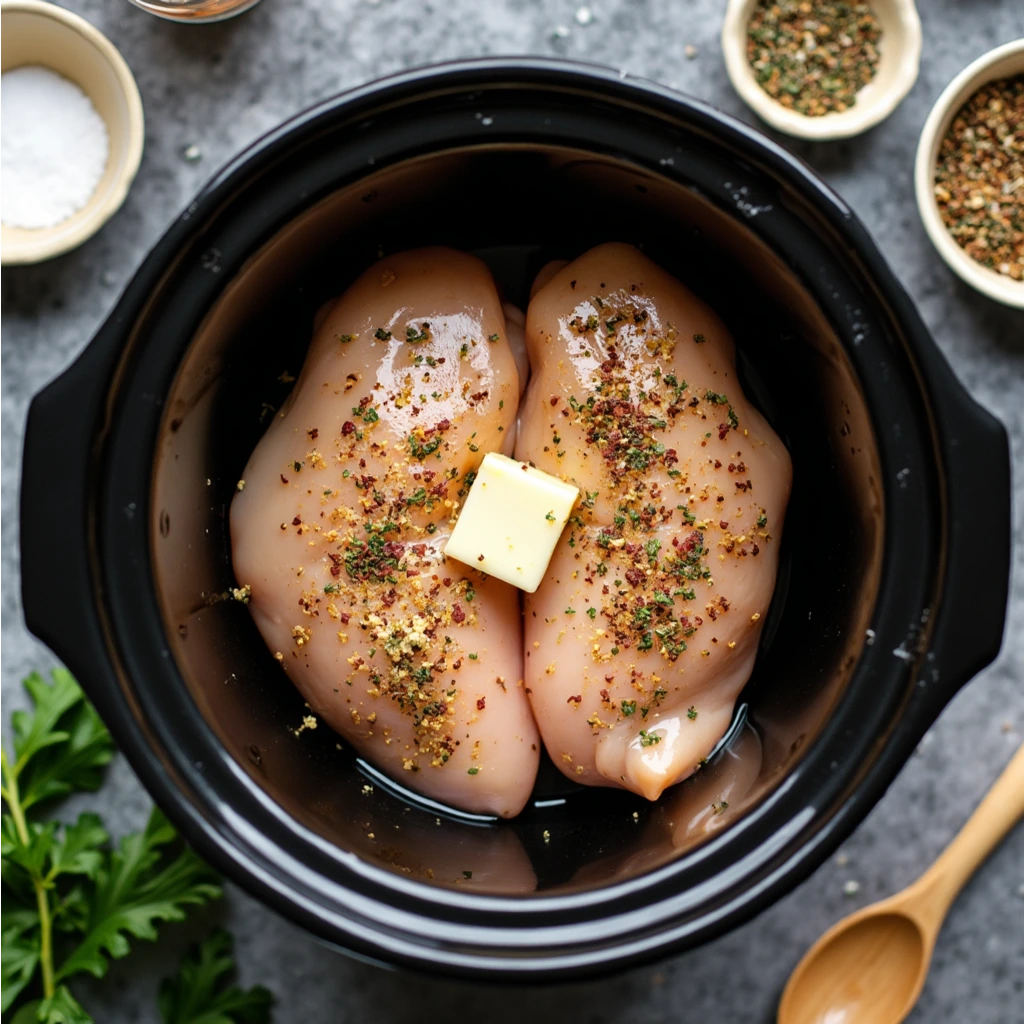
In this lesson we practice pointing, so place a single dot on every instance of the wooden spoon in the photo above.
(870, 967)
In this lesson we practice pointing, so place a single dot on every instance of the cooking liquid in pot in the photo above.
(646, 628)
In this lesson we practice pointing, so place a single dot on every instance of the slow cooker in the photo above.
(894, 575)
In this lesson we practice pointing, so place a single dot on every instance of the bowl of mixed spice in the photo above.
(822, 69)
(969, 174)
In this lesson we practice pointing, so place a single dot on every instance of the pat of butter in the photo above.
(511, 522)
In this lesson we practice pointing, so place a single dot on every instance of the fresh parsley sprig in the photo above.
(200, 993)
(72, 901)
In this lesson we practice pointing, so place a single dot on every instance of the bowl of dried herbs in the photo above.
(969, 174)
(822, 69)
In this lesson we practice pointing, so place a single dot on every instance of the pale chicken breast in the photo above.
(346, 506)
(646, 626)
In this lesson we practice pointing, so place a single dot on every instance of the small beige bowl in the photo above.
(39, 33)
(899, 53)
(1001, 62)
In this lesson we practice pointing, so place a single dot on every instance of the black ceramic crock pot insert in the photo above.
(940, 598)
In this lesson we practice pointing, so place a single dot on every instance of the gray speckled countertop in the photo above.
(221, 86)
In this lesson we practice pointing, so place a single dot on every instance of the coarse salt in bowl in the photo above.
(42, 34)
(1002, 62)
(899, 58)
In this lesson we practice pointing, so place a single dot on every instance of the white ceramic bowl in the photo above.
(899, 59)
(1001, 62)
(41, 33)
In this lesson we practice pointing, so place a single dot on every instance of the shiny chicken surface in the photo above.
(340, 526)
(646, 625)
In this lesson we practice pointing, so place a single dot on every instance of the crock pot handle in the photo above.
(65, 422)
(968, 629)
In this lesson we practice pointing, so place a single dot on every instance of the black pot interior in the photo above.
(517, 207)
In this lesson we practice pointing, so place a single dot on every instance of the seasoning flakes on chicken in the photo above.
(347, 504)
(646, 626)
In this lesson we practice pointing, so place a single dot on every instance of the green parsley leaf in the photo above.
(78, 848)
(20, 953)
(200, 992)
(34, 730)
(135, 889)
(60, 1008)
(67, 727)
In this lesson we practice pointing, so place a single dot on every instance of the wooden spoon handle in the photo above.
(1001, 809)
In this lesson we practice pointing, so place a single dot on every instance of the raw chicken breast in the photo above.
(646, 626)
(347, 503)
